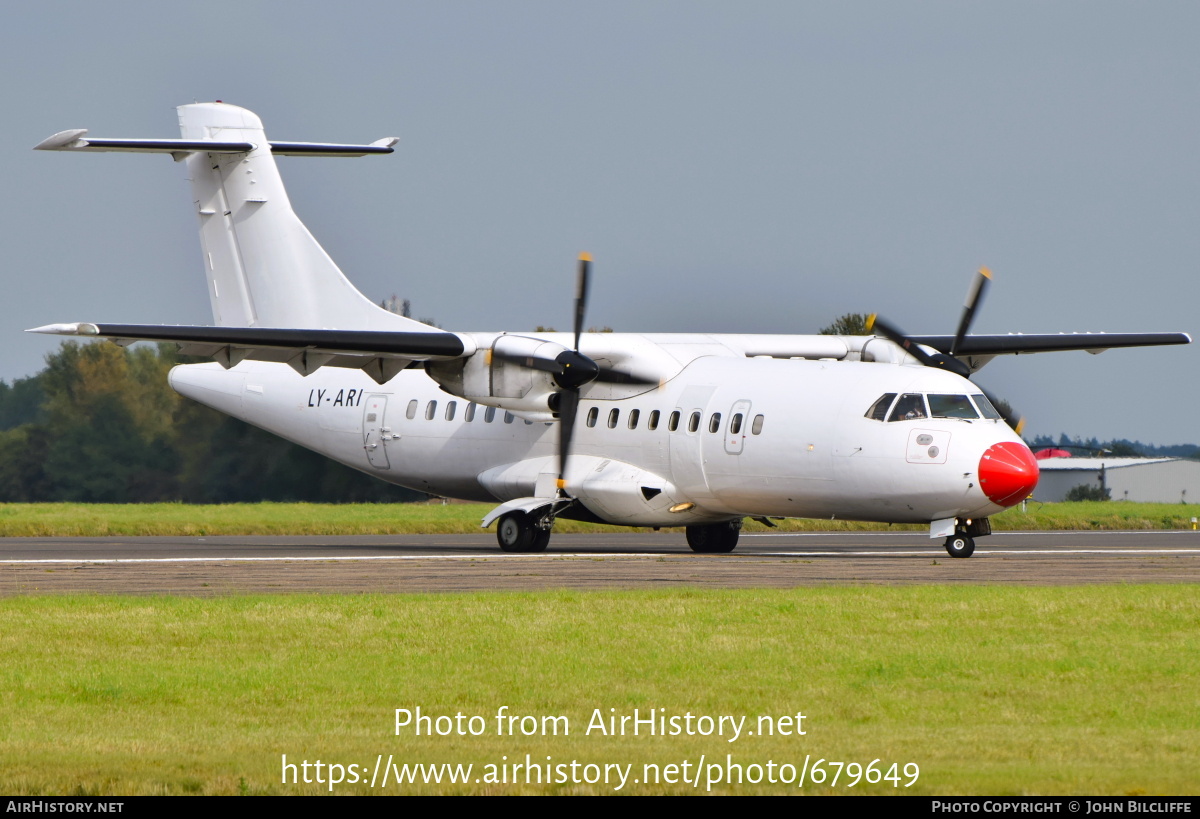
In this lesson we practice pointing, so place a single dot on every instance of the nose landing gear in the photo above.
(962, 542)
(960, 545)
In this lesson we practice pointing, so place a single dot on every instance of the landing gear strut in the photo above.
(522, 532)
(714, 538)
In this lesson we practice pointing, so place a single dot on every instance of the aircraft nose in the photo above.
(1008, 472)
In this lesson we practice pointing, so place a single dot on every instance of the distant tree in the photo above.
(1087, 492)
(1123, 449)
(851, 324)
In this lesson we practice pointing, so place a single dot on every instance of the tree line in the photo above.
(101, 425)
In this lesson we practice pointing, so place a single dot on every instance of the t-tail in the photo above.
(264, 268)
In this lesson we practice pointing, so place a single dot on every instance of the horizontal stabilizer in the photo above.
(77, 140)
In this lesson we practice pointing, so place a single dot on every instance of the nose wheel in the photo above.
(960, 545)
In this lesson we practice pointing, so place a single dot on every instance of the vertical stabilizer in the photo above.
(264, 268)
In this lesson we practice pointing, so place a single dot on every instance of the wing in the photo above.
(977, 350)
(380, 354)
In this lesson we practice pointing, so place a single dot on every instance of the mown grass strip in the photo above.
(178, 519)
(990, 690)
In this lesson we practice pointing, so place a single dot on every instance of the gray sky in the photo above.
(739, 167)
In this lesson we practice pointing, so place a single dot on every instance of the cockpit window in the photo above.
(878, 410)
(909, 407)
(985, 407)
(951, 406)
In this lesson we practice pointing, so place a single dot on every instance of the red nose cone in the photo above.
(1008, 472)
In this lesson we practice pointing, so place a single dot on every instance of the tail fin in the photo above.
(264, 268)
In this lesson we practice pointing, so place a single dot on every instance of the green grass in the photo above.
(990, 690)
(167, 519)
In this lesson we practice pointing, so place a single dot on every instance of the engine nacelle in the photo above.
(503, 376)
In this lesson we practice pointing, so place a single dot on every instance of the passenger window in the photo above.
(593, 414)
(878, 410)
(951, 406)
(430, 410)
(673, 421)
(411, 412)
(985, 407)
(735, 424)
(490, 415)
(714, 423)
(508, 417)
(450, 407)
(634, 415)
(910, 406)
(613, 415)
(469, 415)
(652, 421)
(694, 422)
(756, 427)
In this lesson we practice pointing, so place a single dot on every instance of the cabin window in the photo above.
(634, 415)
(910, 406)
(451, 406)
(756, 427)
(951, 406)
(673, 421)
(490, 415)
(985, 407)
(592, 415)
(613, 415)
(508, 417)
(652, 421)
(411, 412)
(430, 410)
(735, 423)
(694, 422)
(714, 423)
(469, 415)
(878, 410)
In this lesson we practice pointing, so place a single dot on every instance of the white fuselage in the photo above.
(814, 454)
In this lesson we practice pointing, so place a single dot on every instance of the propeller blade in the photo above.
(896, 336)
(581, 294)
(610, 376)
(568, 407)
(974, 299)
(1013, 418)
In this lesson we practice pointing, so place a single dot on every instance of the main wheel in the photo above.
(714, 538)
(514, 532)
(960, 546)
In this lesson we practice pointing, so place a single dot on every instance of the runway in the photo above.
(439, 563)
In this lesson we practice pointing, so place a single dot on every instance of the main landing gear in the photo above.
(962, 542)
(523, 532)
(714, 538)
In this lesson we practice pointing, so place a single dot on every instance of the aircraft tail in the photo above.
(264, 268)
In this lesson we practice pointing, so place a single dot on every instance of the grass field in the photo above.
(167, 519)
(989, 690)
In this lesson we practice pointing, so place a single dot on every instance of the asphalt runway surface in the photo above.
(439, 563)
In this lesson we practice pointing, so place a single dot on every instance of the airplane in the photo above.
(699, 431)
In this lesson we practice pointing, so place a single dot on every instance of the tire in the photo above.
(714, 538)
(514, 534)
(519, 533)
(960, 546)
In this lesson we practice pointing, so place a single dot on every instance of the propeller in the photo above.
(571, 371)
(979, 285)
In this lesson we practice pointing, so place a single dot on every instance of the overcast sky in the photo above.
(733, 167)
